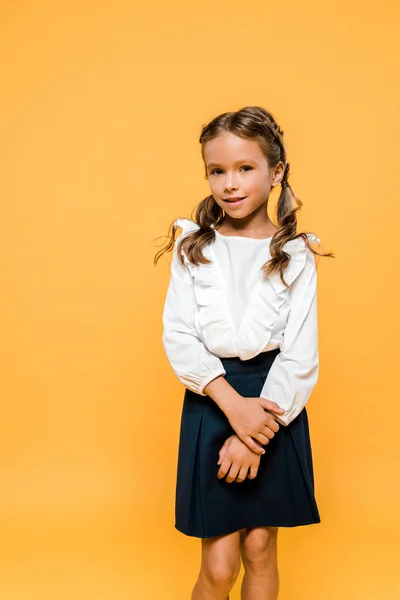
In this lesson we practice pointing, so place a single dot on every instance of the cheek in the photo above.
(217, 191)
(256, 183)
(212, 186)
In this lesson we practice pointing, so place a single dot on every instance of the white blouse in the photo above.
(230, 308)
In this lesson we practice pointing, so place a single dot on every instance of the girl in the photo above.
(240, 332)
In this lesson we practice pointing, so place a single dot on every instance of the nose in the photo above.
(230, 183)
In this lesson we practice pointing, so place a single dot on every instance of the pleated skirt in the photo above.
(282, 493)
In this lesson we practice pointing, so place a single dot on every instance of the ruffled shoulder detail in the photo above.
(298, 256)
(299, 242)
(187, 225)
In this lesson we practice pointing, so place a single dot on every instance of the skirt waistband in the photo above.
(235, 365)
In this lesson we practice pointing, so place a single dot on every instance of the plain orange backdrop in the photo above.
(101, 108)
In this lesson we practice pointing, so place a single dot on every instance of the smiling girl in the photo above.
(240, 332)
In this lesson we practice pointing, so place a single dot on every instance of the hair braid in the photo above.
(278, 134)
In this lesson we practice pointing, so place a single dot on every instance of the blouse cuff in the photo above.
(206, 380)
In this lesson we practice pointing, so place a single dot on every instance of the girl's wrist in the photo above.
(223, 394)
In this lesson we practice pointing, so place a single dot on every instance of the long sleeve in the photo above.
(193, 364)
(294, 372)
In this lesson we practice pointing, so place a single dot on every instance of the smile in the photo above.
(238, 201)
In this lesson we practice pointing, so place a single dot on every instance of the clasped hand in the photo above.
(250, 418)
(240, 455)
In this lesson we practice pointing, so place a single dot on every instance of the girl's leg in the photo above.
(220, 567)
(259, 555)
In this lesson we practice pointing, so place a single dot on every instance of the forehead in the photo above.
(229, 149)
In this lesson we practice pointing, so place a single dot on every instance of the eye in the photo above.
(242, 167)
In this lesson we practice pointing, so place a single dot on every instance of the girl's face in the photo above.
(237, 168)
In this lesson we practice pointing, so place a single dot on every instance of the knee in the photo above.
(222, 574)
(258, 548)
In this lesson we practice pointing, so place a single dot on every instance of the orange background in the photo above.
(100, 113)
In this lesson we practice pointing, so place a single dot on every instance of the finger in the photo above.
(226, 445)
(224, 468)
(270, 422)
(267, 431)
(253, 445)
(253, 472)
(233, 472)
(270, 405)
(263, 439)
(242, 473)
(273, 425)
(222, 451)
(258, 443)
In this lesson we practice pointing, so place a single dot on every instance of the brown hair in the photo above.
(252, 123)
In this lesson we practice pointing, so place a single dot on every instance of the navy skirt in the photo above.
(282, 493)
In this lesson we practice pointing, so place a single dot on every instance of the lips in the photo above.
(234, 200)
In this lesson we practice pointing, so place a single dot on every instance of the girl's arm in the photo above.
(294, 372)
(193, 364)
(200, 370)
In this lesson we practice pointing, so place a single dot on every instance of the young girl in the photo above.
(240, 332)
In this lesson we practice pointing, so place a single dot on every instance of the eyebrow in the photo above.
(244, 160)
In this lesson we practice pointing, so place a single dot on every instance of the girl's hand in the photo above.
(237, 458)
(249, 420)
